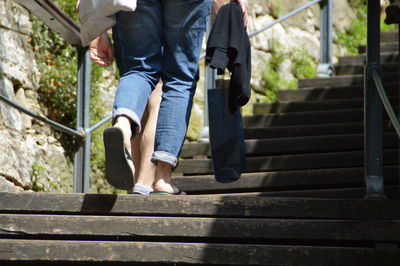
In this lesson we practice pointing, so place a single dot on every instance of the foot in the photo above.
(120, 170)
(124, 124)
(163, 180)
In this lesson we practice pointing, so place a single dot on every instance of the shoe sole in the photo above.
(118, 172)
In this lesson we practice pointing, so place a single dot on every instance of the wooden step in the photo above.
(158, 253)
(389, 57)
(315, 179)
(391, 192)
(345, 80)
(295, 145)
(330, 93)
(289, 162)
(64, 229)
(309, 130)
(180, 229)
(195, 206)
(344, 69)
(385, 47)
(303, 106)
(304, 118)
(390, 36)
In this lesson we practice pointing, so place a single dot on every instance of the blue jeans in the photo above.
(161, 39)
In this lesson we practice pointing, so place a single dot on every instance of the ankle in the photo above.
(124, 124)
(163, 178)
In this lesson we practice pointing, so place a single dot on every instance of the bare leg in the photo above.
(143, 145)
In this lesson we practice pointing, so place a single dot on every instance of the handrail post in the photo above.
(209, 83)
(82, 149)
(373, 107)
(325, 68)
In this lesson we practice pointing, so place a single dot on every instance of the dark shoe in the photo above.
(179, 192)
(118, 172)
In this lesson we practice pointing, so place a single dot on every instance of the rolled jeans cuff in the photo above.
(136, 126)
(165, 157)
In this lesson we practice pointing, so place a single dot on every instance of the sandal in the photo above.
(179, 192)
(118, 171)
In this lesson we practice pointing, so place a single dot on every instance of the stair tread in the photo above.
(289, 162)
(196, 205)
(330, 92)
(192, 253)
(310, 179)
(156, 228)
(303, 106)
(295, 145)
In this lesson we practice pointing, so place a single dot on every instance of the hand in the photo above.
(245, 7)
(100, 51)
(77, 5)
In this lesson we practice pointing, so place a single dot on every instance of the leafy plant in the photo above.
(303, 66)
(40, 180)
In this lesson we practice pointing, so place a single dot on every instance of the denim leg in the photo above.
(138, 50)
(184, 23)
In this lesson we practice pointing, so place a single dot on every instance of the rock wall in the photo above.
(30, 155)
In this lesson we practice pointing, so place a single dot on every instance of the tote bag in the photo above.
(226, 136)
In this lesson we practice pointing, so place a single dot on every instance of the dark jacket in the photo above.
(228, 46)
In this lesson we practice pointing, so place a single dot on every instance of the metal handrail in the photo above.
(385, 101)
(44, 119)
(279, 20)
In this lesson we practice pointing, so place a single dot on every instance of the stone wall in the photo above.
(30, 155)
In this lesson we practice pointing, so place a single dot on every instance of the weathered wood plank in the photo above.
(356, 192)
(205, 205)
(250, 229)
(295, 145)
(306, 106)
(329, 93)
(304, 118)
(193, 253)
(284, 180)
(309, 130)
(359, 59)
(289, 162)
(343, 80)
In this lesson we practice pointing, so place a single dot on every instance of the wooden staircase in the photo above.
(299, 201)
(310, 143)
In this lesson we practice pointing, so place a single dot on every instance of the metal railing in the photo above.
(375, 98)
(56, 20)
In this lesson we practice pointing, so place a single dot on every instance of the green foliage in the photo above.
(40, 180)
(303, 66)
(354, 36)
(57, 61)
